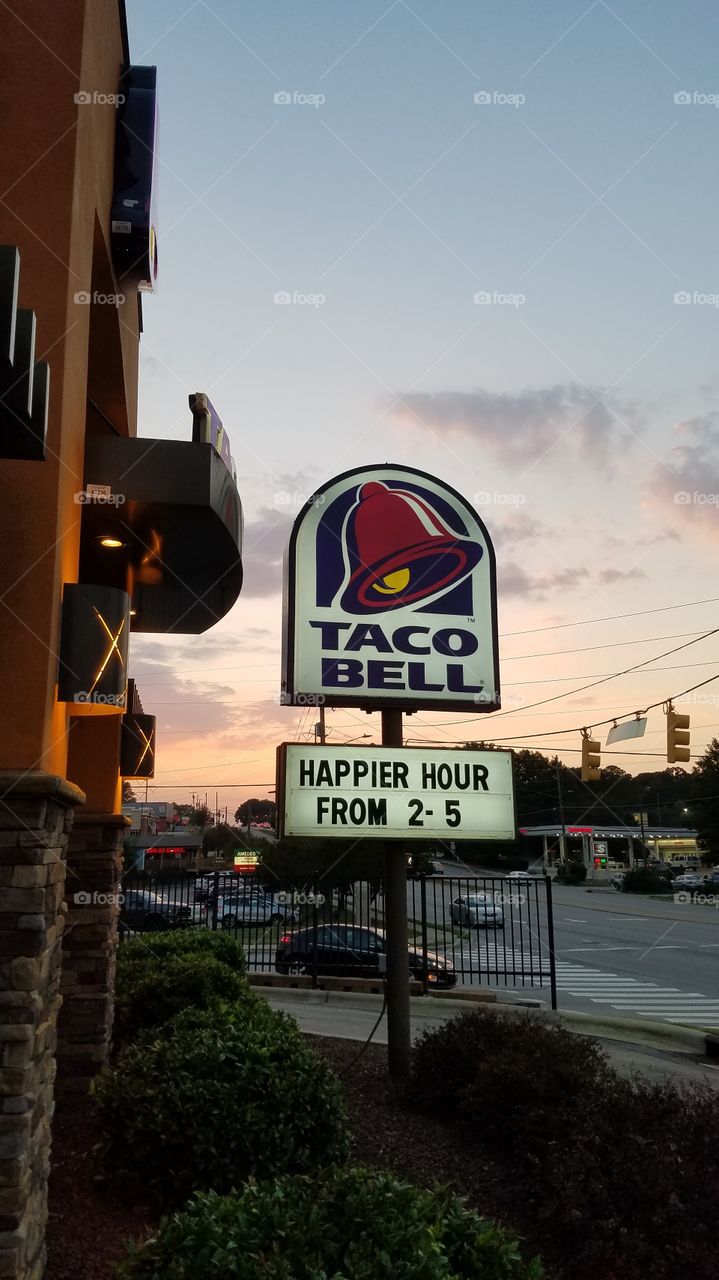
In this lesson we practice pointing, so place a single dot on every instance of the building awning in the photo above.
(163, 519)
(610, 833)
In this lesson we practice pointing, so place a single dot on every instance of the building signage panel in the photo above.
(390, 597)
(395, 792)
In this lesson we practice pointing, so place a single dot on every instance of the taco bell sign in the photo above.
(390, 597)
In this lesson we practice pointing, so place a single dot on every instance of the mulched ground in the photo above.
(89, 1226)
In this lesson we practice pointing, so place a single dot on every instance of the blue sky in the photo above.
(582, 190)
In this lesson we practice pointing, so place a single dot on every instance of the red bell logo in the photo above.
(400, 551)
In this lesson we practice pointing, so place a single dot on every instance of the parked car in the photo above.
(205, 884)
(235, 909)
(143, 910)
(690, 880)
(477, 910)
(346, 950)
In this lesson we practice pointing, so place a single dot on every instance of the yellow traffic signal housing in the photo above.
(591, 760)
(677, 738)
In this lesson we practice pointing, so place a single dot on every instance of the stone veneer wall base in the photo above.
(36, 813)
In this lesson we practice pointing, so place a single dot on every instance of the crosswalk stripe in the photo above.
(626, 994)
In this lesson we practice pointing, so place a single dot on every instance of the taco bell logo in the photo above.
(390, 596)
(400, 551)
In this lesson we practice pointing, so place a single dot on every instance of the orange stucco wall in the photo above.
(55, 194)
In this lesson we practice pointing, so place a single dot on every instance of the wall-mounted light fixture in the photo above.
(24, 382)
(137, 746)
(137, 740)
(94, 639)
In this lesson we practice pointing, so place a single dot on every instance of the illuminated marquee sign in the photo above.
(390, 597)
(246, 862)
(395, 792)
(207, 427)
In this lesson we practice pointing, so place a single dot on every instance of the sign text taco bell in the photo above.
(390, 596)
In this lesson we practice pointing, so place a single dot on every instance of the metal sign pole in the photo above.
(395, 899)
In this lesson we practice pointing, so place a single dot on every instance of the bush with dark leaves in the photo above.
(149, 993)
(154, 946)
(622, 1173)
(214, 1098)
(348, 1224)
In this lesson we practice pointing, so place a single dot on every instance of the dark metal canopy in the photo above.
(163, 519)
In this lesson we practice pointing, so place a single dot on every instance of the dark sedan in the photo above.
(348, 951)
(144, 910)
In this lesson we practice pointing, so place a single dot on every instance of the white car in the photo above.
(478, 910)
(690, 880)
(253, 909)
(523, 876)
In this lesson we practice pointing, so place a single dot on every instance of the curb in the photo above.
(658, 1035)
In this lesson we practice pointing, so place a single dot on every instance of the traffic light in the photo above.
(591, 759)
(677, 736)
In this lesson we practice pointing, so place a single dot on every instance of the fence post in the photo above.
(550, 933)
(215, 897)
(314, 939)
(423, 908)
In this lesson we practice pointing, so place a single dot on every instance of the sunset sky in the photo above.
(518, 294)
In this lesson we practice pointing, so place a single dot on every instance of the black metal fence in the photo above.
(463, 930)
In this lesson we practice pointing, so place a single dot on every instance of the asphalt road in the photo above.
(345, 1020)
(615, 953)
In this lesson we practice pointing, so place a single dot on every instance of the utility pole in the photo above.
(563, 837)
(395, 901)
(320, 730)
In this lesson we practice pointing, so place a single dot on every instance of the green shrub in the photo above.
(506, 1074)
(572, 873)
(351, 1224)
(644, 880)
(150, 991)
(580, 1144)
(221, 946)
(216, 1097)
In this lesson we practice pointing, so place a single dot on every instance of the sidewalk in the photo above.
(347, 1016)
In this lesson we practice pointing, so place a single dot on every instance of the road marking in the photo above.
(630, 919)
(599, 946)
(573, 920)
(626, 994)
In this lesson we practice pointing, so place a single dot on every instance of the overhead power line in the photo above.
(569, 693)
(611, 617)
